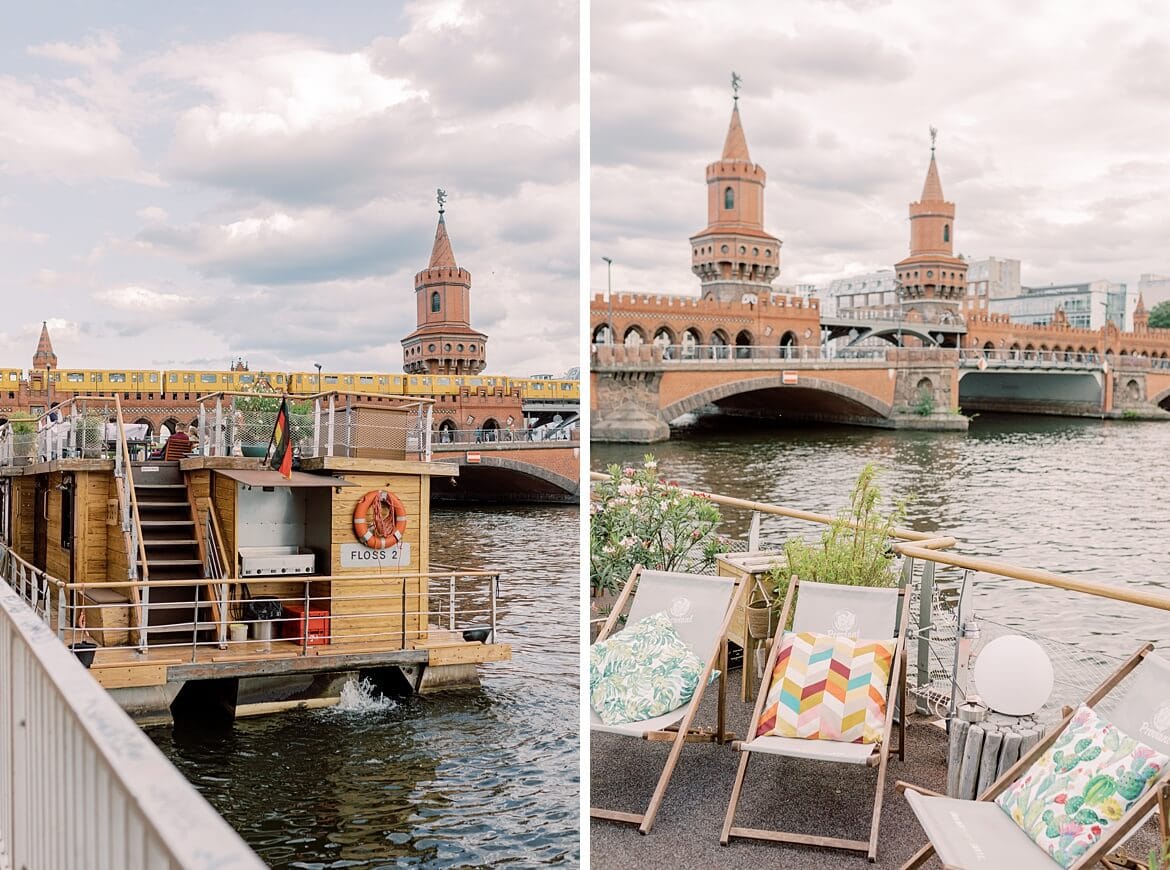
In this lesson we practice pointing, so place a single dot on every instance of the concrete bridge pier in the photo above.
(626, 408)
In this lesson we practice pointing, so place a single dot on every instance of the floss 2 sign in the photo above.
(361, 556)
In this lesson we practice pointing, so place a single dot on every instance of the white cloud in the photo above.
(98, 48)
(142, 300)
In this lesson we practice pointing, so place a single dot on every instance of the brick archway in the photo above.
(693, 402)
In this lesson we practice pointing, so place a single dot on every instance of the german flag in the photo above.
(280, 450)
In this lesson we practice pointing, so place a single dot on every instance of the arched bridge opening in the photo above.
(1027, 392)
(496, 479)
(772, 399)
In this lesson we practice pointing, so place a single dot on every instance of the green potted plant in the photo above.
(855, 548)
(254, 419)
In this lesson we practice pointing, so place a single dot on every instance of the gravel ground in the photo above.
(798, 795)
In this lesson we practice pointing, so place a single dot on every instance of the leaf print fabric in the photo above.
(642, 672)
(1088, 779)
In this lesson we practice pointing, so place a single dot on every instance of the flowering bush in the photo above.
(636, 518)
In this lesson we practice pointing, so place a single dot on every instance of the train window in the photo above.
(117, 377)
(189, 378)
(426, 382)
(207, 379)
(538, 386)
(174, 378)
(349, 379)
(154, 377)
(227, 379)
(75, 377)
(96, 377)
(382, 381)
(13, 376)
(331, 379)
(477, 382)
(280, 379)
(366, 379)
(565, 388)
(397, 380)
(444, 382)
(247, 379)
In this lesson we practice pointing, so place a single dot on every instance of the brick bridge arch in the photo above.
(493, 477)
(853, 397)
(1161, 399)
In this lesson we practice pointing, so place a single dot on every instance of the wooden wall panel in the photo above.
(24, 515)
(117, 561)
(57, 558)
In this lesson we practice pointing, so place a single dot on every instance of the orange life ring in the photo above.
(376, 498)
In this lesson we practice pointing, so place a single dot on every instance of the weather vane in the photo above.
(440, 197)
(933, 136)
(736, 81)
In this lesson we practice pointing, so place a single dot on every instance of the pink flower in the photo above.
(696, 534)
(628, 472)
(1096, 829)
(1060, 798)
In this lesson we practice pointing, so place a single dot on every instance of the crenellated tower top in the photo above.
(443, 342)
(733, 254)
(932, 277)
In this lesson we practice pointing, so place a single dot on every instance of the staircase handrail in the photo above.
(133, 534)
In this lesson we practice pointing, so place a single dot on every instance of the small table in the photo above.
(752, 567)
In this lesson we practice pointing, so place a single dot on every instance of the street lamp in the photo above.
(318, 367)
(609, 293)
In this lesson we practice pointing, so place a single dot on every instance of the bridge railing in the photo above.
(446, 437)
(80, 784)
(689, 353)
(897, 315)
(974, 356)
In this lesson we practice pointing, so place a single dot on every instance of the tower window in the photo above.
(729, 198)
(436, 302)
(946, 232)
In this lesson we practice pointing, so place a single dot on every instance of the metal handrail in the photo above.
(135, 534)
(926, 540)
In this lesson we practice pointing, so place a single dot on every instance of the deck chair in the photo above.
(875, 616)
(710, 603)
(978, 834)
(178, 446)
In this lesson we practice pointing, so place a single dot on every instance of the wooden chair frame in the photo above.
(684, 733)
(1158, 794)
(879, 758)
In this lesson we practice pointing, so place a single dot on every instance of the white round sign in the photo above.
(1014, 675)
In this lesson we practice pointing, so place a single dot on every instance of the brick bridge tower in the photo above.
(932, 280)
(734, 255)
(443, 342)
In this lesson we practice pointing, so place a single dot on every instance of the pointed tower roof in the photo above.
(442, 257)
(735, 146)
(44, 356)
(932, 190)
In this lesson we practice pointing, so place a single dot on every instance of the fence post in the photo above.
(329, 429)
(925, 631)
(451, 606)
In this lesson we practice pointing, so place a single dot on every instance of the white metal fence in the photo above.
(80, 784)
(332, 424)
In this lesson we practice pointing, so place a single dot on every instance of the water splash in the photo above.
(361, 696)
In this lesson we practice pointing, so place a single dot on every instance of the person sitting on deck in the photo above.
(177, 446)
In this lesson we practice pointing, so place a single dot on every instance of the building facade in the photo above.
(1086, 305)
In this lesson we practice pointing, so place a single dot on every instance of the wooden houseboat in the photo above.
(193, 576)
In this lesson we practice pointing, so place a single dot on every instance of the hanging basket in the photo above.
(759, 620)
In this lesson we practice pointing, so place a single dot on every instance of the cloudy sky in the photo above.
(181, 184)
(1054, 140)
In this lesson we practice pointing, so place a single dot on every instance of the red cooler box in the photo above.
(292, 626)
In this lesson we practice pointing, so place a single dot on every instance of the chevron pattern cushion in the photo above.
(826, 687)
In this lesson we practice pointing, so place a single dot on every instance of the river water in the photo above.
(469, 778)
(1084, 497)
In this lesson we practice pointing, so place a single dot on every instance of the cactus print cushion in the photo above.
(1085, 782)
(642, 672)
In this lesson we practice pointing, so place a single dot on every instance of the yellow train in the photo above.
(187, 384)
